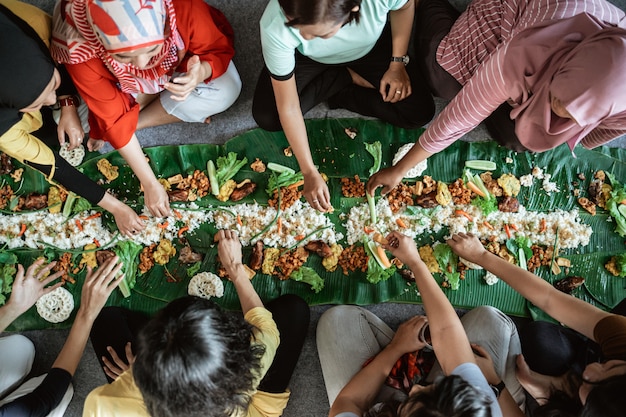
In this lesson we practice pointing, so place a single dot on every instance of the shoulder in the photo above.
(121, 394)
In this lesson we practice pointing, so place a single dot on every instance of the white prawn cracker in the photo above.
(206, 285)
(74, 156)
(418, 169)
(56, 306)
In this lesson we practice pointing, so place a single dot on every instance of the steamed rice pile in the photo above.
(572, 232)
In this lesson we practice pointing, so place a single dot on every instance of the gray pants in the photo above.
(348, 335)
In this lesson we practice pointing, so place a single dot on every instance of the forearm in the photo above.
(74, 346)
(7, 315)
(575, 313)
(401, 22)
(449, 340)
(359, 394)
(508, 405)
(111, 204)
(415, 155)
(248, 296)
(133, 155)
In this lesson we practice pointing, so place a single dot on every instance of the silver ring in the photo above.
(398, 91)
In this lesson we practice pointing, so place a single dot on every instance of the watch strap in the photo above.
(68, 101)
(498, 388)
(404, 59)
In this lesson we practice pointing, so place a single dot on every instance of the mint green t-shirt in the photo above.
(351, 42)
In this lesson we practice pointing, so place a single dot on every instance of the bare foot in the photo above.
(207, 120)
(537, 385)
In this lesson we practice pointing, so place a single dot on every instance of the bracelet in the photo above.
(67, 101)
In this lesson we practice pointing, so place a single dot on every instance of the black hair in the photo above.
(607, 399)
(563, 402)
(195, 359)
(451, 396)
(307, 12)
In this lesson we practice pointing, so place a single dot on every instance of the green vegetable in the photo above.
(309, 276)
(284, 179)
(69, 203)
(228, 166)
(375, 272)
(128, 252)
(520, 247)
(614, 205)
(448, 262)
(374, 251)
(481, 164)
(193, 269)
(80, 205)
(7, 274)
(215, 187)
(372, 205)
(620, 264)
(486, 206)
(376, 150)
(279, 168)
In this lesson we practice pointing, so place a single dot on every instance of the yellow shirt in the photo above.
(123, 398)
(18, 142)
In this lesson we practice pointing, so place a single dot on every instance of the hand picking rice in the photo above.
(418, 169)
(206, 285)
(56, 306)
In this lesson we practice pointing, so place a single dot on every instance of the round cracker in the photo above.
(73, 157)
(56, 306)
(206, 285)
(418, 169)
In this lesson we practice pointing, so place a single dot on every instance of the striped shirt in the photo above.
(474, 51)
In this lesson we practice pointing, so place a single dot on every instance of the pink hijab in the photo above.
(579, 60)
(85, 29)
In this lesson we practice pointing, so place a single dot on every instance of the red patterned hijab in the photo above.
(582, 62)
(86, 29)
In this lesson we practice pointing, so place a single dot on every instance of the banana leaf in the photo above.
(339, 156)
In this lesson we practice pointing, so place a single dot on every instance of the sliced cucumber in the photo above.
(373, 247)
(481, 185)
(279, 168)
(215, 187)
(69, 203)
(481, 164)
(372, 206)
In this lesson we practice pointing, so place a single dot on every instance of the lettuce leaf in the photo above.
(228, 166)
(128, 252)
(487, 206)
(448, 262)
(309, 276)
(520, 247)
(375, 272)
(285, 179)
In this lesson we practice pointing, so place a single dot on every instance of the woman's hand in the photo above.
(467, 246)
(183, 85)
(395, 84)
(98, 285)
(485, 363)
(118, 366)
(316, 192)
(28, 288)
(406, 339)
(402, 247)
(128, 222)
(69, 124)
(229, 251)
(388, 178)
(156, 199)
(94, 145)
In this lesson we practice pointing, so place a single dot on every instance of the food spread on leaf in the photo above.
(287, 242)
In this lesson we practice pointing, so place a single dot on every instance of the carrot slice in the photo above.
(299, 237)
(279, 225)
(296, 184)
(79, 224)
(96, 242)
(465, 214)
(93, 216)
(401, 223)
(182, 230)
(383, 256)
(488, 225)
(22, 229)
(177, 214)
(367, 230)
(507, 230)
(474, 188)
(163, 225)
(512, 226)
(544, 226)
(239, 222)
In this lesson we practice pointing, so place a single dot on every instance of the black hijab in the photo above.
(26, 67)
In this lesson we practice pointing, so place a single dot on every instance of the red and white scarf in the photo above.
(87, 29)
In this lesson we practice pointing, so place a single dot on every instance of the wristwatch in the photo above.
(67, 101)
(404, 59)
(498, 388)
